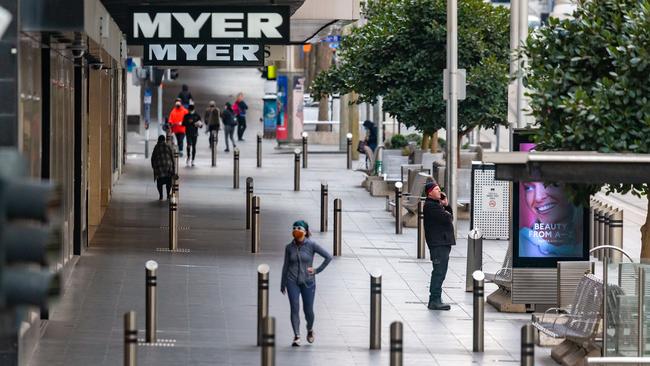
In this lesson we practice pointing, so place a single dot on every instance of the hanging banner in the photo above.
(207, 35)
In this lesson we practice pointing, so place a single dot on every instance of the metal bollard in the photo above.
(268, 342)
(396, 344)
(601, 229)
(616, 234)
(337, 227)
(255, 226)
(213, 147)
(323, 207)
(146, 147)
(305, 152)
(421, 236)
(641, 311)
(176, 155)
(527, 345)
(474, 257)
(259, 150)
(349, 150)
(606, 218)
(176, 187)
(479, 308)
(235, 169)
(398, 207)
(130, 339)
(375, 310)
(249, 198)
(296, 170)
(262, 298)
(152, 309)
(173, 223)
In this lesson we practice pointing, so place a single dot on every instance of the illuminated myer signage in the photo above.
(207, 36)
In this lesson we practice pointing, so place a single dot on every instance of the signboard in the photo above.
(298, 107)
(490, 203)
(207, 35)
(281, 131)
(548, 227)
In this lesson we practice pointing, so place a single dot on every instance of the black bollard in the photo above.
(478, 311)
(305, 152)
(375, 310)
(130, 339)
(296, 170)
(323, 207)
(255, 226)
(213, 147)
(151, 306)
(396, 344)
(398, 207)
(235, 169)
(349, 150)
(268, 342)
(173, 223)
(249, 198)
(474, 256)
(337, 228)
(259, 150)
(421, 237)
(262, 299)
(527, 345)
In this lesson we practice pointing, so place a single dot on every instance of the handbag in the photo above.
(362, 146)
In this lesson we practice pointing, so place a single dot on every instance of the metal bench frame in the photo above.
(581, 319)
(503, 277)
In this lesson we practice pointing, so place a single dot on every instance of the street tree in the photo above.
(589, 83)
(400, 54)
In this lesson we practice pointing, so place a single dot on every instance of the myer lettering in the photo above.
(208, 36)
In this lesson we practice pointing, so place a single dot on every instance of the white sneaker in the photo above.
(296, 342)
(187, 162)
(192, 162)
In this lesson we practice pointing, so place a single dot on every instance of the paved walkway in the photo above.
(208, 298)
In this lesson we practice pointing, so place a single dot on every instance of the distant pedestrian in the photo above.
(185, 96)
(240, 107)
(162, 162)
(299, 277)
(440, 236)
(192, 124)
(229, 123)
(212, 119)
(176, 123)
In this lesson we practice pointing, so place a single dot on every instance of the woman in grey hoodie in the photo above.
(299, 277)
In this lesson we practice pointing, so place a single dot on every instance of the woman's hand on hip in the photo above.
(310, 270)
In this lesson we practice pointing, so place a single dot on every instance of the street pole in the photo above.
(452, 104)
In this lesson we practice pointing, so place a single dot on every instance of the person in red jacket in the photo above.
(176, 123)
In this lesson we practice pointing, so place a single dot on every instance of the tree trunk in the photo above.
(323, 62)
(645, 237)
(434, 142)
(426, 141)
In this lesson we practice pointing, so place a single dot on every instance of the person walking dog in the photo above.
(299, 277)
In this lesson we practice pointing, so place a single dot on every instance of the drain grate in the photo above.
(381, 248)
(181, 227)
(179, 250)
(158, 343)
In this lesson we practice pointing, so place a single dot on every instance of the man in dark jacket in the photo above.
(212, 120)
(162, 162)
(229, 123)
(192, 123)
(440, 235)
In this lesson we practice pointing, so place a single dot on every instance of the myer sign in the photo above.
(207, 36)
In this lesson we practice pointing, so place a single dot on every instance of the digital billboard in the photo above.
(549, 227)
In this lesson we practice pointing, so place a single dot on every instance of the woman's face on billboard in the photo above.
(549, 203)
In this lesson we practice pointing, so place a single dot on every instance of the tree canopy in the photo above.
(400, 54)
(589, 83)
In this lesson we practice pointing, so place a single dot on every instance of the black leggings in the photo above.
(167, 182)
(191, 145)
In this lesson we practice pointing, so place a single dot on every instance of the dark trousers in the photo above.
(179, 140)
(229, 131)
(167, 182)
(440, 260)
(308, 293)
(191, 146)
(241, 127)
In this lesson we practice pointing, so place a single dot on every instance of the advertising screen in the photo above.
(549, 227)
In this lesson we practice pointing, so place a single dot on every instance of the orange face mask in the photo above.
(299, 235)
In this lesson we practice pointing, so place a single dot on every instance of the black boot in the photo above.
(437, 304)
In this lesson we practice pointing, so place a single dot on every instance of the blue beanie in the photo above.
(302, 224)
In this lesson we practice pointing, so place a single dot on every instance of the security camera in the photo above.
(97, 66)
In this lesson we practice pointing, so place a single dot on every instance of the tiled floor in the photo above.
(207, 298)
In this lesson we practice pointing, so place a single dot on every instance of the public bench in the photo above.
(578, 323)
